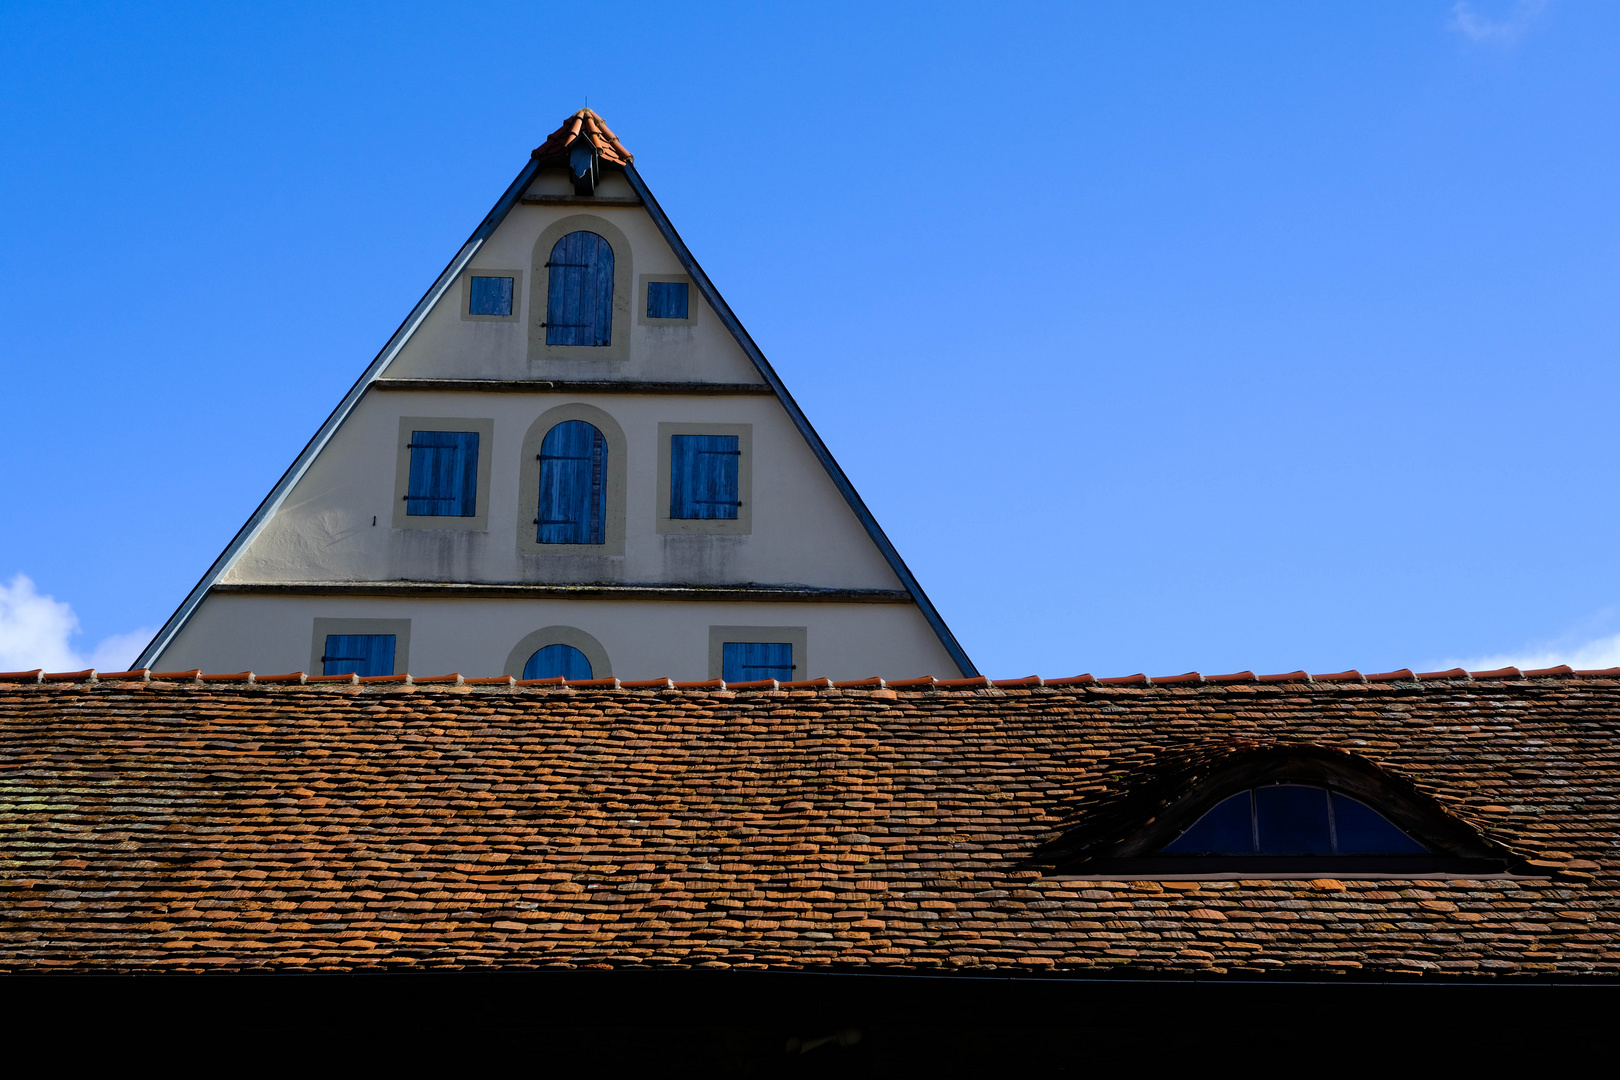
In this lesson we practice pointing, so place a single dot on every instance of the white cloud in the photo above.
(1596, 653)
(35, 632)
(1503, 31)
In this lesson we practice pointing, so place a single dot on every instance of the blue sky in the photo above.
(1159, 337)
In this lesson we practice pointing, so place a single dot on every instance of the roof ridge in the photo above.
(925, 683)
(588, 125)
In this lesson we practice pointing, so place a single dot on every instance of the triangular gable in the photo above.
(588, 125)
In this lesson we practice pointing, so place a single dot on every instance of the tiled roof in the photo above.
(206, 823)
(587, 124)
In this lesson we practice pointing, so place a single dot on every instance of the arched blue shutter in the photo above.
(579, 301)
(573, 485)
(555, 660)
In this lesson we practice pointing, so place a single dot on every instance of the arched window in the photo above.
(579, 297)
(573, 485)
(1243, 809)
(555, 660)
(1293, 819)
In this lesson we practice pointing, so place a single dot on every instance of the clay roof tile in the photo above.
(585, 124)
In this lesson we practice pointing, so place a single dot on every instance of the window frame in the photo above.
(1126, 838)
(529, 485)
(693, 300)
(399, 628)
(743, 523)
(601, 667)
(517, 296)
(485, 429)
(797, 636)
(623, 317)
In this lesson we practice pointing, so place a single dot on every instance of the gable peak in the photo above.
(587, 126)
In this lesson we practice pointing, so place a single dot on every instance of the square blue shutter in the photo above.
(666, 300)
(444, 474)
(490, 296)
(358, 654)
(573, 485)
(703, 476)
(746, 661)
(579, 293)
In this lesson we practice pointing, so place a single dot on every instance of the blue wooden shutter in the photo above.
(490, 296)
(666, 300)
(444, 474)
(579, 298)
(573, 485)
(555, 660)
(703, 476)
(358, 654)
(746, 661)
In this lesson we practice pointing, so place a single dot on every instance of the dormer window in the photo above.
(1282, 811)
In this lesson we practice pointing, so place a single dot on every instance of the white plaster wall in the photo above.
(804, 533)
(447, 346)
(644, 640)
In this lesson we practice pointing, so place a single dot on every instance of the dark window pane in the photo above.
(666, 300)
(1361, 830)
(555, 660)
(358, 654)
(745, 661)
(703, 477)
(1225, 830)
(490, 296)
(1292, 820)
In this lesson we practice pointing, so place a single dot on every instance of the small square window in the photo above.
(490, 296)
(444, 474)
(747, 661)
(358, 654)
(703, 476)
(666, 299)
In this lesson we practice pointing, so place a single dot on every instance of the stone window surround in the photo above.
(743, 523)
(529, 482)
(517, 296)
(400, 628)
(797, 636)
(693, 301)
(601, 668)
(618, 347)
(485, 428)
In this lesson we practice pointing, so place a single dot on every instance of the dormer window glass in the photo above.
(579, 294)
(1293, 819)
(490, 296)
(666, 299)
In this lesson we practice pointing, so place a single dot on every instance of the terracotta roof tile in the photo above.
(342, 825)
(585, 124)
